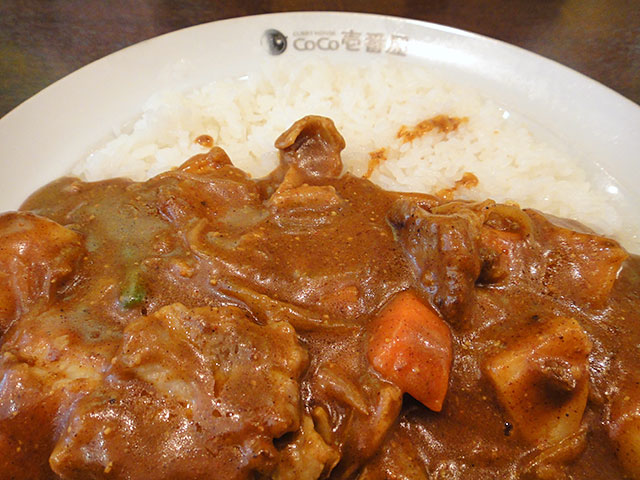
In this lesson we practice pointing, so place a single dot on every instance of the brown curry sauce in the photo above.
(203, 324)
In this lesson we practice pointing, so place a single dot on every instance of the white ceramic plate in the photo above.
(42, 138)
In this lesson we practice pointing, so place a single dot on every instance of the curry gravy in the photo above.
(204, 324)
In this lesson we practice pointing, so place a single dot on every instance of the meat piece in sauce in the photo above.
(313, 145)
(203, 392)
(48, 361)
(37, 256)
(528, 247)
(443, 244)
(203, 293)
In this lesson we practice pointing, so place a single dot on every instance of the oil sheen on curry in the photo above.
(207, 325)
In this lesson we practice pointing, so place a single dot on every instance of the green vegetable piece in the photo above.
(133, 291)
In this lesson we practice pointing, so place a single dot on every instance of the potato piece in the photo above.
(542, 380)
(624, 427)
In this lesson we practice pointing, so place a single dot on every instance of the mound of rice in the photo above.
(369, 106)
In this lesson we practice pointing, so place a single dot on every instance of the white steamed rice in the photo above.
(368, 105)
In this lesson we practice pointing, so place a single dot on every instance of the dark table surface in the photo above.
(44, 40)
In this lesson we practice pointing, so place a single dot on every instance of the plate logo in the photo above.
(275, 42)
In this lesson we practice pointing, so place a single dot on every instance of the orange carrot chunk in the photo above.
(410, 345)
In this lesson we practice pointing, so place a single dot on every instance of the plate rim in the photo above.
(419, 23)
